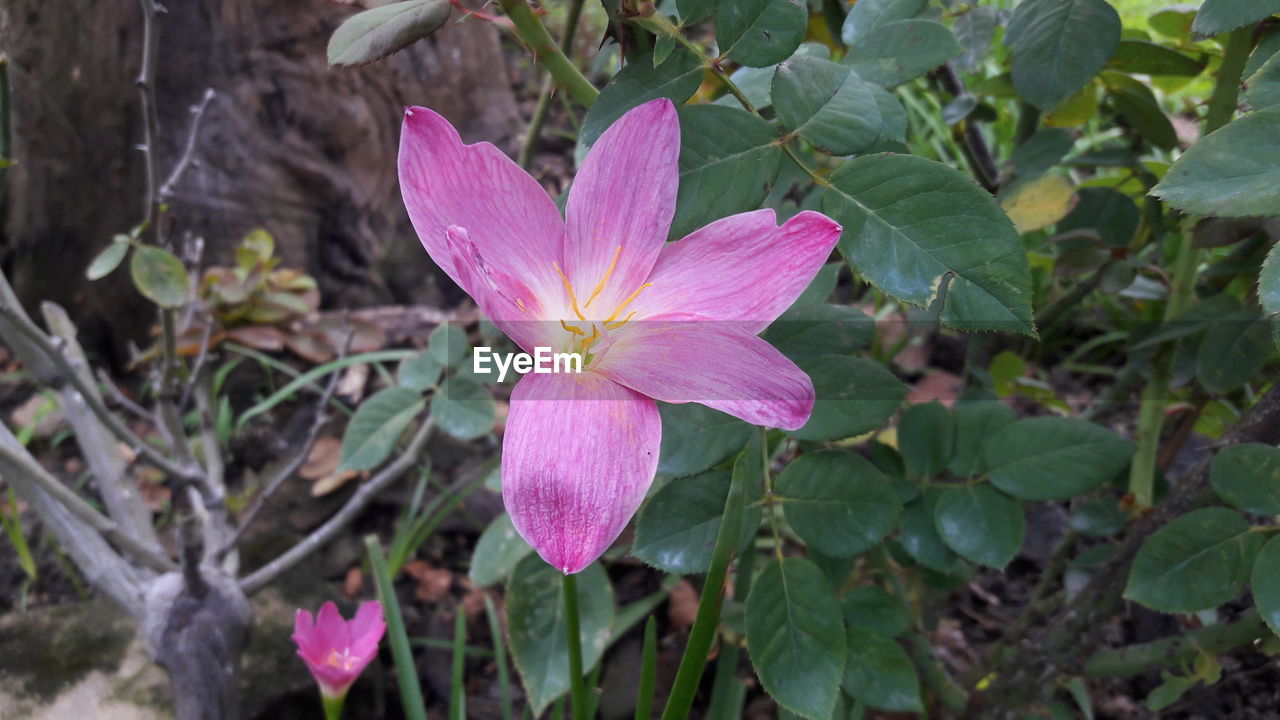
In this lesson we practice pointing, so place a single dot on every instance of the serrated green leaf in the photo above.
(536, 626)
(377, 424)
(1147, 58)
(159, 275)
(463, 409)
(1051, 458)
(870, 607)
(728, 160)
(808, 332)
(1059, 45)
(1269, 290)
(909, 222)
(639, 82)
(900, 51)
(1266, 583)
(695, 438)
(977, 421)
(107, 261)
(498, 551)
(760, 32)
(1112, 214)
(1263, 87)
(1248, 477)
(854, 396)
(837, 502)
(1234, 349)
(377, 33)
(926, 437)
(1231, 172)
(826, 104)
(676, 529)
(692, 11)
(919, 534)
(1196, 562)
(796, 637)
(980, 524)
(1219, 16)
(1137, 104)
(866, 16)
(880, 673)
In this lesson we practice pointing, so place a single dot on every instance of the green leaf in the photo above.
(377, 424)
(821, 287)
(854, 396)
(463, 409)
(377, 33)
(870, 607)
(1234, 349)
(980, 524)
(1052, 458)
(1248, 476)
(760, 32)
(1266, 583)
(536, 626)
(448, 344)
(1099, 517)
(419, 372)
(497, 552)
(974, 31)
(911, 222)
(826, 104)
(902, 50)
(677, 527)
(1269, 289)
(695, 437)
(1059, 45)
(1264, 85)
(1219, 16)
(676, 79)
(867, 16)
(109, 259)
(159, 275)
(1137, 104)
(807, 332)
(1231, 172)
(1147, 58)
(880, 674)
(1196, 562)
(1112, 214)
(977, 421)
(837, 502)
(927, 437)
(1041, 151)
(796, 637)
(919, 534)
(692, 11)
(728, 160)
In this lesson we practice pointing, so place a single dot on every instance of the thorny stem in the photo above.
(1226, 92)
(535, 35)
(548, 89)
(147, 90)
(1177, 650)
(189, 151)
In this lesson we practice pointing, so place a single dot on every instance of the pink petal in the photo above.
(709, 363)
(366, 629)
(331, 630)
(578, 456)
(304, 635)
(512, 222)
(512, 306)
(624, 196)
(740, 268)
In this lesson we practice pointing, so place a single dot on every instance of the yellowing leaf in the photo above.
(1075, 110)
(1039, 203)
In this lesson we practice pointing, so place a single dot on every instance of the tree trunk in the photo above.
(288, 144)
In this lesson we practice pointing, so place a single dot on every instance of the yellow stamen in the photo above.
(618, 310)
(619, 323)
(569, 328)
(603, 280)
(569, 290)
(595, 335)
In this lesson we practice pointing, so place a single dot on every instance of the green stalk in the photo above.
(577, 689)
(406, 671)
(333, 707)
(500, 654)
(535, 35)
(1177, 650)
(457, 680)
(707, 620)
(1225, 98)
(525, 159)
(648, 671)
(727, 694)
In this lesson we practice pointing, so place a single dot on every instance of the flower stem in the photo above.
(577, 689)
(1226, 92)
(333, 706)
(548, 53)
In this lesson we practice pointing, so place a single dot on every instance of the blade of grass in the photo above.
(727, 694)
(457, 688)
(648, 671)
(406, 671)
(500, 654)
(708, 617)
(13, 528)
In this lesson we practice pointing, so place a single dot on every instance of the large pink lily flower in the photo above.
(335, 650)
(674, 322)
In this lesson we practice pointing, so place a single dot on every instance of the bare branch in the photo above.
(326, 532)
(188, 152)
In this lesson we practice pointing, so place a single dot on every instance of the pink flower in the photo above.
(674, 322)
(336, 650)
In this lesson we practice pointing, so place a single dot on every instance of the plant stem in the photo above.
(548, 89)
(577, 689)
(1177, 650)
(1226, 92)
(535, 35)
(333, 706)
(406, 671)
(648, 672)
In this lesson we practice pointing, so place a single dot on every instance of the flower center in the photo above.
(584, 333)
(344, 661)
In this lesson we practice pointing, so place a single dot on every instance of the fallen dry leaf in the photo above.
(353, 582)
(433, 583)
(683, 607)
(329, 483)
(323, 459)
